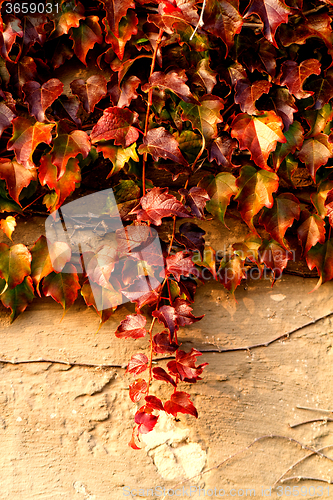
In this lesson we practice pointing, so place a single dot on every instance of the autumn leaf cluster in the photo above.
(230, 100)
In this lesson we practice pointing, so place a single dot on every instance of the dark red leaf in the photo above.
(294, 75)
(222, 19)
(196, 199)
(138, 364)
(284, 105)
(126, 28)
(117, 124)
(154, 403)
(184, 366)
(191, 236)
(115, 10)
(274, 256)
(329, 206)
(222, 149)
(178, 265)
(16, 176)
(157, 203)
(6, 117)
(180, 403)
(90, 92)
(132, 327)
(128, 91)
(247, 94)
(174, 81)
(160, 374)
(40, 97)
(281, 216)
(85, 36)
(272, 13)
(311, 230)
(161, 144)
(143, 291)
(162, 344)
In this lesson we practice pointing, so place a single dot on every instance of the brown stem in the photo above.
(311, 422)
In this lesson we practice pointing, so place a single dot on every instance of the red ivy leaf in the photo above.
(104, 300)
(329, 206)
(180, 403)
(272, 13)
(85, 36)
(161, 144)
(231, 272)
(222, 19)
(311, 230)
(18, 298)
(128, 91)
(222, 149)
(178, 265)
(27, 135)
(154, 403)
(132, 327)
(41, 264)
(138, 364)
(40, 97)
(90, 92)
(115, 10)
(196, 199)
(143, 291)
(256, 190)
(160, 374)
(157, 203)
(137, 390)
(68, 145)
(127, 27)
(173, 80)
(184, 366)
(162, 344)
(321, 258)
(247, 94)
(146, 421)
(117, 124)
(16, 176)
(294, 75)
(274, 256)
(6, 117)
(294, 137)
(220, 189)
(174, 12)
(316, 152)
(258, 134)
(281, 216)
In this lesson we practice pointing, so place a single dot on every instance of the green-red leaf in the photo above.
(62, 287)
(85, 36)
(316, 152)
(15, 264)
(311, 230)
(161, 144)
(116, 123)
(19, 297)
(281, 216)
(220, 189)
(16, 176)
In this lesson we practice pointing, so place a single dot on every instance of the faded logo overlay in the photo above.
(88, 236)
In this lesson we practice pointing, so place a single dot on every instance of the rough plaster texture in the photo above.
(64, 429)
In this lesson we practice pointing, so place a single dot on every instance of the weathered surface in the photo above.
(64, 429)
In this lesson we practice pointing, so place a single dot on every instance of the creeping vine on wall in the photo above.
(231, 101)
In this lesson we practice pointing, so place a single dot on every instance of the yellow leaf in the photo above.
(8, 226)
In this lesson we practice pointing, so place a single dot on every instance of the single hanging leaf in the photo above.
(63, 187)
(128, 91)
(178, 265)
(221, 150)
(321, 258)
(184, 314)
(26, 136)
(294, 75)
(231, 272)
(310, 231)
(249, 249)
(145, 420)
(41, 264)
(191, 236)
(68, 145)
(184, 366)
(18, 298)
(180, 403)
(247, 94)
(69, 16)
(274, 256)
(143, 291)
(90, 92)
(316, 152)
(272, 13)
(162, 345)
(8, 225)
(62, 287)
(117, 155)
(126, 28)
(40, 97)
(318, 199)
(222, 19)
(204, 117)
(67, 108)
(195, 199)
(316, 25)
(281, 216)
(137, 390)
(85, 36)
(15, 264)
(132, 327)
(220, 189)
(322, 89)
(154, 403)
(6, 117)
(115, 10)
(294, 140)
(258, 134)
(16, 176)
(157, 203)
(161, 144)
(319, 120)
(173, 80)
(160, 374)
(116, 123)
(256, 190)
(170, 14)
(101, 265)
(137, 364)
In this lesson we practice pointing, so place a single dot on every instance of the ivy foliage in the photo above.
(233, 99)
